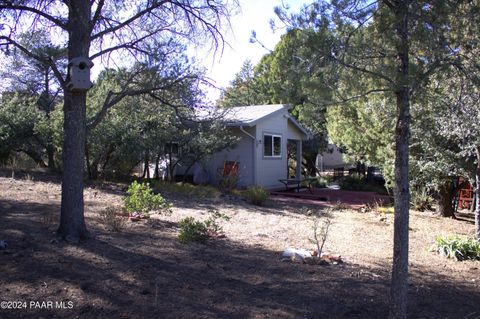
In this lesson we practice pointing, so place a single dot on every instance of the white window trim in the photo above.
(273, 144)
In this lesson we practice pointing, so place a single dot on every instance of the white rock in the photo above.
(297, 255)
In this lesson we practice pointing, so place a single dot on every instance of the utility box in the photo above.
(79, 74)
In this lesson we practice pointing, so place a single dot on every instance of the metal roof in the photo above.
(250, 115)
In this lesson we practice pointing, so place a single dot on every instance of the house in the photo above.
(330, 159)
(261, 152)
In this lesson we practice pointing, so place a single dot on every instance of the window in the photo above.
(272, 145)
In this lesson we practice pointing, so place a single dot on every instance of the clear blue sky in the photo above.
(253, 15)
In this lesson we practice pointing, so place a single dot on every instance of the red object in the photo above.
(230, 168)
(465, 195)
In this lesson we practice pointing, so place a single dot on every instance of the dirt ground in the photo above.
(144, 272)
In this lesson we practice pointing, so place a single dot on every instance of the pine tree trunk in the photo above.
(157, 168)
(51, 157)
(477, 195)
(72, 222)
(445, 200)
(399, 282)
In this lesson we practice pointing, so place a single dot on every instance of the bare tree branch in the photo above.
(7, 5)
(130, 20)
(41, 59)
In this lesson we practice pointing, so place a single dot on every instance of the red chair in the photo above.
(465, 195)
(230, 168)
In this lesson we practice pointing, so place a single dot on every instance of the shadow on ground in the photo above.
(144, 272)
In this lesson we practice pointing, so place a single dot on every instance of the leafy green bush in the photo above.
(460, 248)
(142, 200)
(319, 182)
(356, 182)
(420, 200)
(256, 195)
(192, 230)
(198, 231)
(353, 182)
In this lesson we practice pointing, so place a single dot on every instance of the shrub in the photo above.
(192, 230)
(228, 182)
(256, 195)
(421, 200)
(460, 248)
(197, 231)
(142, 200)
(356, 182)
(113, 218)
(319, 182)
(352, 182)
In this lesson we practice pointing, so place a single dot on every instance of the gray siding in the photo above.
(270, 170)
(242, 153)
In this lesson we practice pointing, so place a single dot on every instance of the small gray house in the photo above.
(261, 153)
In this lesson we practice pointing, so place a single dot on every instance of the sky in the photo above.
(253, 15)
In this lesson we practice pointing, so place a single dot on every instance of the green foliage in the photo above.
(25, 128)
(228, 183)
(319, 182)
(142, 200)
(357, 182)
(192, 230)
(420, 200)
(354, 182)
(186, 189)
(256, 195)
(459, 248)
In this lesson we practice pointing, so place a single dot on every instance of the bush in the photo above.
(421, 200)
(142, 200)
(256, 195)
(356, 182)
(353, 182)
(192, 230)
(113, 218)
(197, 231)
(460, 248)
(319, 182)
(228, 183)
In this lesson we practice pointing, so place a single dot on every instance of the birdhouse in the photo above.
(79, 73)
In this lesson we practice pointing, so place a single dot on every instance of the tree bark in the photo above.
(477, 195)
(72, 222)
(445, 200)
(51, 156)
(399, 281)
(157, 168)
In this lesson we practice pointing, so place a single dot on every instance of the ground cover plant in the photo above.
(457, 247)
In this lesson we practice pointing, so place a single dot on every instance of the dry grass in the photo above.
(144, 267)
